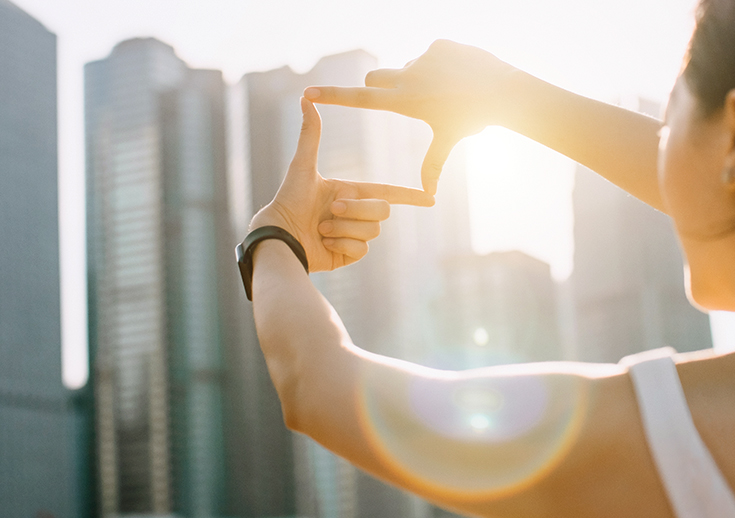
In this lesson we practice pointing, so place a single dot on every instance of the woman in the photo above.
(556, 439)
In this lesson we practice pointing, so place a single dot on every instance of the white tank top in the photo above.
(694, 484)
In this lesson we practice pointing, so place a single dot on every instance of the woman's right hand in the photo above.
(457, 89)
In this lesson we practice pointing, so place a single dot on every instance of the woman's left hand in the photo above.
(332, 219)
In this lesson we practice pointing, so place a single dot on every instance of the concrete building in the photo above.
(39, 461)
(160, 257)
(628, 282)
(497, 308)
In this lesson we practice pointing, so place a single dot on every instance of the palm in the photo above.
(295, 204)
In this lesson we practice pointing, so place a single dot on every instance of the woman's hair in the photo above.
(709, 67)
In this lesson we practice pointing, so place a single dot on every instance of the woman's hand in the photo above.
(332, 219)
(456, 89)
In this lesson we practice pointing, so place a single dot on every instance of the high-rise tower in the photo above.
(38, 470)
(159, 252)
(628, 280)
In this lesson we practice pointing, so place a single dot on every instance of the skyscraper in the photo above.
(495, 309)
(159, 250)
(382, 299)
(628, 280)
(38, 470)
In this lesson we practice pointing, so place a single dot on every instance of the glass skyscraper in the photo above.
(158, 253)
(38, 470)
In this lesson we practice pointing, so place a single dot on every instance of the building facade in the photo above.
(39, 461)
(159, 248)
(628, 280)
(497, 309)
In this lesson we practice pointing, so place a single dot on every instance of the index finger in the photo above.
(355, 97)
(394, 194)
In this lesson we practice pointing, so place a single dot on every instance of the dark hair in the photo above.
(709, 67)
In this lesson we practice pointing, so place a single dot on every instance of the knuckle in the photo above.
(362, 97)
(433, 169)
(384, 210)
(375, 230)
(384, 192)
(438, 44)
(361, 250)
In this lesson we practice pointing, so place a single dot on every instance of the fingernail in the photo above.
(312, 93)
(338, 207)
(328, 241)
(325, 227)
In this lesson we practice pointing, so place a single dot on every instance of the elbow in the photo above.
(290, 389)
(290, 418)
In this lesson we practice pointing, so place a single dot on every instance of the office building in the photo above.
(39, 460)
(495, 309)
(160, 274)
(628, 280)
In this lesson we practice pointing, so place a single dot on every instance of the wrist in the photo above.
(273, 252)
(246, 250)
(530, 103)
(493, 92)
(508, 100)
(269, 216)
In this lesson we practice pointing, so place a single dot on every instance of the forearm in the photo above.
(291, 317)
(310, 356)
(618, 144)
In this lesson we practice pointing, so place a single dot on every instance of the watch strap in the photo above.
(244, 252)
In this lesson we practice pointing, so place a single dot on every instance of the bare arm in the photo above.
(458, 90)
(616, 143)
(534, 440)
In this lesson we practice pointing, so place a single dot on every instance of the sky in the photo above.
(610, 50)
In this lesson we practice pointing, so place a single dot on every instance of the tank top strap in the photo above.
(693, 482)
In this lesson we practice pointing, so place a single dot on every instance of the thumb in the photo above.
(311, 132)
(436, 155)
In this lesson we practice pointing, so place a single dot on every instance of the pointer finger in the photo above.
(397, 194)
(356, 97)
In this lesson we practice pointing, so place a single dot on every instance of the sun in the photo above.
(520, 198)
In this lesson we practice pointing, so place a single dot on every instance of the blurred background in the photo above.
(137, 138)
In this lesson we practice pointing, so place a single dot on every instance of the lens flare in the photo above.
(479, 422)
(481, 336)
(471, 436)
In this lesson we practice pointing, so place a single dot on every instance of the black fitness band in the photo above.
(245, 251)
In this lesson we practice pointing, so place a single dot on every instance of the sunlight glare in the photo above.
(520, 198)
